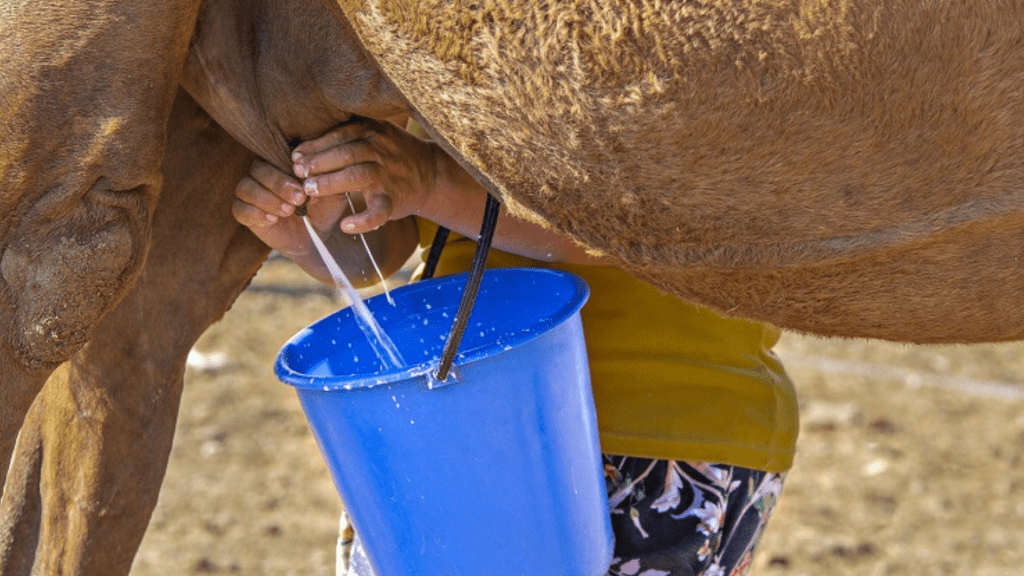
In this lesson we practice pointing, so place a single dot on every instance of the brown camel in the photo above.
(845, 168)
(118, 246)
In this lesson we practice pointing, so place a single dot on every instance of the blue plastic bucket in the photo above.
(496, 473)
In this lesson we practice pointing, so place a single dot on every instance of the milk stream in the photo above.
(386, 350)
(387, 293)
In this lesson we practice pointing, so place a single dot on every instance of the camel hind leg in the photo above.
(86, 89)
(92, 455)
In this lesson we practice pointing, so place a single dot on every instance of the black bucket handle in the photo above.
(476, 274)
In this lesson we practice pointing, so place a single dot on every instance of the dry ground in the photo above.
(911, 459)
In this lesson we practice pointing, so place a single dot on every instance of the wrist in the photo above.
(454, 198)
(433, 198)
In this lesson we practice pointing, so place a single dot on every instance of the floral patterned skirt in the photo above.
(678, 518)
(669, 517)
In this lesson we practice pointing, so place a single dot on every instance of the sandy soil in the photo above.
(911, 459)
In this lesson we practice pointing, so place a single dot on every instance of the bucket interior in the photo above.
(514, 306)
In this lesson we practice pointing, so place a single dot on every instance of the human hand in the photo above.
(265, 202)
(394, 170)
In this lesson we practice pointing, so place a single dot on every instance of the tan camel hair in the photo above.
(117, 244)
(92, 453)
(844, 167)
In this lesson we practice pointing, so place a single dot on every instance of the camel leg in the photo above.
(21, 506)
(20, 387)
(92, 455)
(86, 89)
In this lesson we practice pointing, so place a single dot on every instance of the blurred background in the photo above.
(910, 459)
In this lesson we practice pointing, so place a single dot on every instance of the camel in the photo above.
(839, 168)
(115, 263)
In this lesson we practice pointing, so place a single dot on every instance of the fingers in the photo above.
(254, 205)
(250, 216)
(335, 158)
(348, 132)
(357, 178)
(265, 195)
(376, 159)
(285, 187)
(343, 146)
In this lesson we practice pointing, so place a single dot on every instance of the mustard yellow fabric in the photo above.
(671, 380)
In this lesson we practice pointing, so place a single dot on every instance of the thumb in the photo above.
(379, 208)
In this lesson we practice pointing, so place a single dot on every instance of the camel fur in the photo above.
(117, 244)
(95, 444)
(842, 168)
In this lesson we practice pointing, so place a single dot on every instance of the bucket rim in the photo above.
(573, 302)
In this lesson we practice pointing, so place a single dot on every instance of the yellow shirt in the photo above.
(671, 380)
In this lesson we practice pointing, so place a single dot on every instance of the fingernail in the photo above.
(310, 187)
(271, 217)
(298, 197)
(301, 171)
(286, 208)
(296, 156)
(348, 226)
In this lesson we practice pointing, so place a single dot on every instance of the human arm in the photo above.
(266, 201)
(402, 175)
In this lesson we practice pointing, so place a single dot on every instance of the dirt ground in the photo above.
(911, 459)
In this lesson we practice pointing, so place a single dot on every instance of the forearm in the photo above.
(400, 175)
(458, 204)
